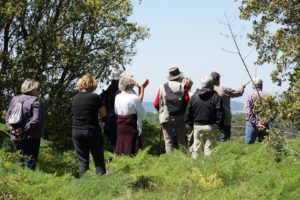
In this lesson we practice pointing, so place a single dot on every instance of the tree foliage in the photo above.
(276, 36)
(58, 41)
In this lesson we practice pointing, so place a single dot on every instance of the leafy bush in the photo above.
(152, 137)
(56, 163)
(234, 171)
(5, 142)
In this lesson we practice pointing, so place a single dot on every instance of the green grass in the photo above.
(3, 129)
(234, 171)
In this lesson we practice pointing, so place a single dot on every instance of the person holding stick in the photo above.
(254, 127)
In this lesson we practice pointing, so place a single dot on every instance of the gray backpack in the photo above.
(16, 117)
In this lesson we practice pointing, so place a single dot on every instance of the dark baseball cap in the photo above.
(215, 75)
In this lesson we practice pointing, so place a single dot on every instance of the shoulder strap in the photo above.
(167, 88)
(24, 99)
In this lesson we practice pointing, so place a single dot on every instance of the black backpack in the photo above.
(175, 101)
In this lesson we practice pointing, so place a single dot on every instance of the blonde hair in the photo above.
(187, 81)
(29, 85)
(126, 82)
(87, 82)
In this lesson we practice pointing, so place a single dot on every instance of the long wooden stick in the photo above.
(240, 55)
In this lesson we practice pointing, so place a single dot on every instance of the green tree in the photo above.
(276, 36)
(58, 41)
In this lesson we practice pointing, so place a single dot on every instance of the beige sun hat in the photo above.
(174, 73)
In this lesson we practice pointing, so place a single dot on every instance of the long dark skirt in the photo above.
(128, 140)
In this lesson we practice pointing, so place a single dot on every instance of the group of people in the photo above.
(207, 113)
(194, 121)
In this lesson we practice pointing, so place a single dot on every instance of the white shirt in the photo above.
(128, 103)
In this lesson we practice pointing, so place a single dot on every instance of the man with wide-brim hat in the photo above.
(170, 104)
(175, 73)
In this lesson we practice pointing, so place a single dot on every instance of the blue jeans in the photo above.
(251, 133)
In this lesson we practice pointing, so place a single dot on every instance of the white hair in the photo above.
(207, 81)
(126, 82)
(257, 82)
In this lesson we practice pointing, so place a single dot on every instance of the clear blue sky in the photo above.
(189, 34)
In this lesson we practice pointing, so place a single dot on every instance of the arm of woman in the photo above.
(140, 111)
(102, 112)
(36, 115)
(142, 89)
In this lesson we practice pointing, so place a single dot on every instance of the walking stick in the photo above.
(160, 135)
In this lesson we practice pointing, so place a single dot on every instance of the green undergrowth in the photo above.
(234, 171)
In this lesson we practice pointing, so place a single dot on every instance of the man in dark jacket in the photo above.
(205, 113)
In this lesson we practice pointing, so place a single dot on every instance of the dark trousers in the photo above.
(110, 128)
(86, 141)
(226, 129)
(29, 149)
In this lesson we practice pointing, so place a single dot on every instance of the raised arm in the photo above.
(141, 89)
(235, 93)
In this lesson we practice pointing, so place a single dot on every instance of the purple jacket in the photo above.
(32, 112)
(251, 115)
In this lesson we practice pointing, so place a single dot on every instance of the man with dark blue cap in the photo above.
(226, 94)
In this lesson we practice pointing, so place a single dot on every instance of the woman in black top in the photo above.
(86, 132)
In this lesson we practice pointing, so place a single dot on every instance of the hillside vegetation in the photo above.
(234, 171)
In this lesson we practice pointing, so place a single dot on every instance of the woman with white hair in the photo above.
(86, 132)
(130, 112)
(27, 133)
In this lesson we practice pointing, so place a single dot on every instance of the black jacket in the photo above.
(204, 108)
